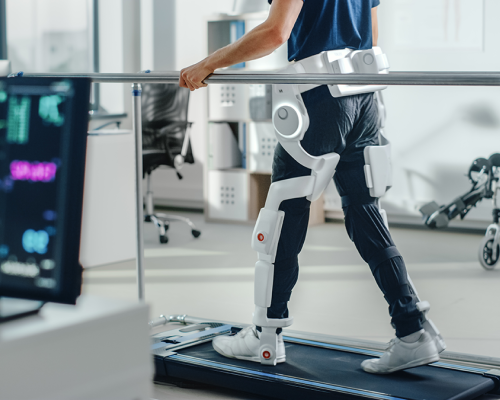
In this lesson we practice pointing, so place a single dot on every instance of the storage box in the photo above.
(228, 195)
(228, 102)
(261, 147)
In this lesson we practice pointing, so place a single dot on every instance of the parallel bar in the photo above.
(137, 124)
(95, 53)
(393, 78)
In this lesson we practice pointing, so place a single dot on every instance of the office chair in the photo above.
(165, 141)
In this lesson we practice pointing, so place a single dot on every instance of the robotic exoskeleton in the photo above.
(291, 121)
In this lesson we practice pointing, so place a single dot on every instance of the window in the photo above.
(50, 35)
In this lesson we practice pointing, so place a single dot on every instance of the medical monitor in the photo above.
(43, 134)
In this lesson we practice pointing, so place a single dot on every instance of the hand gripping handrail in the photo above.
(421, 78)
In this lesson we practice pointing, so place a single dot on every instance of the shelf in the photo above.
(230, 170)
(266, 173)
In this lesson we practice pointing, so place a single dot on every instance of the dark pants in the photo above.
(344, 126)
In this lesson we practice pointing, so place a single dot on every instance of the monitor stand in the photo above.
(17, 308)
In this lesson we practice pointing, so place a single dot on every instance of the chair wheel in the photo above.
(196, 233)
(163, 239)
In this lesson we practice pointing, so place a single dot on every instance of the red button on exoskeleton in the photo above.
(266, 355)
(260, 236)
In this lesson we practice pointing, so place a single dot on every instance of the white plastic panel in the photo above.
(263, 287)
(378, 158)
(264, 234)
(228, 102)
(261, 146)
(228, 195)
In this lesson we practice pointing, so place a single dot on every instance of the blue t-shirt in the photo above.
(325, 25)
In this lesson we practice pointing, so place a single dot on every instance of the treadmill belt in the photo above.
(323, 373)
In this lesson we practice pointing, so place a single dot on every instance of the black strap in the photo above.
(281, 297)
(357, 199)
(404, 291)
(383, 255)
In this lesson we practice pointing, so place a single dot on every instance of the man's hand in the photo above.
(192, 77)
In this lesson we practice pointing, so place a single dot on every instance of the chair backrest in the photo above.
(164, 123)
(164, 103)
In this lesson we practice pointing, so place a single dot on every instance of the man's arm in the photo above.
(374, 26)
(257, 43)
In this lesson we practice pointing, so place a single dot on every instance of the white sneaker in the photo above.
(245, 345)
(401, 355)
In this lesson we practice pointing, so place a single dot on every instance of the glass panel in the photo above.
(50, 35)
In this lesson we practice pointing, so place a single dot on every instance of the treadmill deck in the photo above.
(321, 371)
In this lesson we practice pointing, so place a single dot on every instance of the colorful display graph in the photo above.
(34, 172)
(18, 120)
(35, 242)
(49, 110)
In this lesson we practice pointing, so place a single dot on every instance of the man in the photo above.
(344, 125)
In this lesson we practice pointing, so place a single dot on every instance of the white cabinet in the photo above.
(228, 195)
(228, 102)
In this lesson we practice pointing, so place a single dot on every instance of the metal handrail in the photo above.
(425, 78)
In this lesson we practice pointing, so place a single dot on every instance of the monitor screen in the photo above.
(43, 133)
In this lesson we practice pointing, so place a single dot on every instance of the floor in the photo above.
(212, 277)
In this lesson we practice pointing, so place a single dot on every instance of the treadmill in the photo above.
(317, 367)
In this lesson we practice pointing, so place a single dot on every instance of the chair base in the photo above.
(162, 221)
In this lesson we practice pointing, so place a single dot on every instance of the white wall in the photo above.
(49, 35)
(437, 132)
(111, 46)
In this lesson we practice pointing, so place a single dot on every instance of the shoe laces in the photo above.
(392, 343)
(245, 331)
